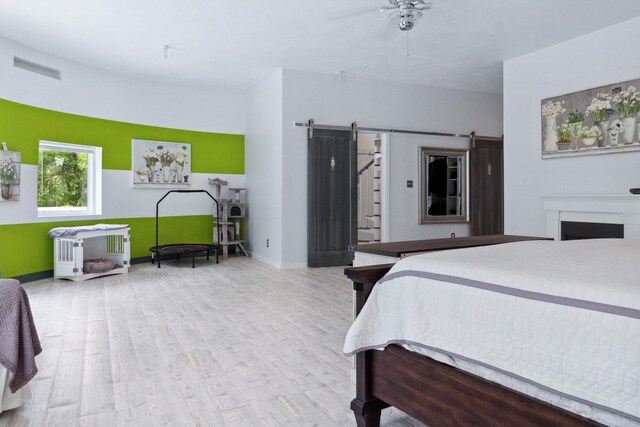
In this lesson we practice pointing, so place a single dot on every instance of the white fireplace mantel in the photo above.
(600, 208)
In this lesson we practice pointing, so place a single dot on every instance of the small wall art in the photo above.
(160, 164)
(9, 176)
(601, 120)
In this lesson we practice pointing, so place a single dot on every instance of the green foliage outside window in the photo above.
(62, 179)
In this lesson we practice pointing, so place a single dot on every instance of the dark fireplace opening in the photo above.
(570, 230)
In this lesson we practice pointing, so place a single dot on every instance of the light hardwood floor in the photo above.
(234, 344)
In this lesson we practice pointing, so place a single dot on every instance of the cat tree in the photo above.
(232, 211)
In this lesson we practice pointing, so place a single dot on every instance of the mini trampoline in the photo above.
(184, 250)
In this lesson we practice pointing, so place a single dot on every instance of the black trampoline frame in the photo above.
(157, 250)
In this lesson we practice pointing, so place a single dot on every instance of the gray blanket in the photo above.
(19, 343)
(72, 231)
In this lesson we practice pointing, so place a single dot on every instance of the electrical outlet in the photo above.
(267, 242)
(453, 235)
(518, 181)
(409, 184)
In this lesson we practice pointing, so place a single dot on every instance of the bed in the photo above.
(19, 345)
(528, 334)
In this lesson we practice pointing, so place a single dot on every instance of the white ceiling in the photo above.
(236, 44)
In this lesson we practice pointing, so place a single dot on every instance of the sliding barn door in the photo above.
(332, 194)
(486, 186)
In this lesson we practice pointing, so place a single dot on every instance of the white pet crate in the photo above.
(70, 252)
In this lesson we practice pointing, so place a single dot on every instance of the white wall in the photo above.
(597, 59)
(96, 93)
(92, 92)
(404, 203)
(370, 103)
(263, 169)
(119, 199)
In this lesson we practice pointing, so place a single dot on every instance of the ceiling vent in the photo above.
(36, 68)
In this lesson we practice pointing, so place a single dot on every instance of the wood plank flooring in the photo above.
(234, 344)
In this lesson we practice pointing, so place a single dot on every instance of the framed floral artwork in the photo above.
(9, 176)
(601, 120)
(160, 164)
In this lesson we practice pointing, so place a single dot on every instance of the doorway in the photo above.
(369, 187)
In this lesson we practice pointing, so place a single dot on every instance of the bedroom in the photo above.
(271, 160)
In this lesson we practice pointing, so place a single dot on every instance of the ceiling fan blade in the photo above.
(422, 6)
(352, 14)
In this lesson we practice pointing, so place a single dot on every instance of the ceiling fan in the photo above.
(406, 12)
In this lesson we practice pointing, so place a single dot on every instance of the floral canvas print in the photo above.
(160, 164)
(594, 121)
(9, 176)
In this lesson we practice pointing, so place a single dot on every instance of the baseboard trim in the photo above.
(47, 274)
(32, 277)
(142, 260)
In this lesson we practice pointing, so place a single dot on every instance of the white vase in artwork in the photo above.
(603, 125)
(166, 174)
(629, 129)
(574, 128)
(588, 142)
(613, 137)
(152, 172)
(550, 134)
(179, 170)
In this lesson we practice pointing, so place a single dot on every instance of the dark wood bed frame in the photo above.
(435, 393)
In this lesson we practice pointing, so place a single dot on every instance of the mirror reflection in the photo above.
(443, 185)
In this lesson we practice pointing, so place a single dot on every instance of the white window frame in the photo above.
(94, 180)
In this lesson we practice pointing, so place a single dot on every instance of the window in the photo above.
(69, 179)
(443, 185)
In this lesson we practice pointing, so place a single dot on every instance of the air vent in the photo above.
(36, 68)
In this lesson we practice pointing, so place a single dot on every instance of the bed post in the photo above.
(365, 406)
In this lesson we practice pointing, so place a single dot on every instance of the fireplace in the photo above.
(572, 230)
(587, 216)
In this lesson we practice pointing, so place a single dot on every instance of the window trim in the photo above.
(94, 180)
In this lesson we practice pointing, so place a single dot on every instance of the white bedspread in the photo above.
(564, 316)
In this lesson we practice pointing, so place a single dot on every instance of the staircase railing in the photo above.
(365, 167)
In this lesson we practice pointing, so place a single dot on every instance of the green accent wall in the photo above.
(23, 126)
(26, 249)
(30, 250)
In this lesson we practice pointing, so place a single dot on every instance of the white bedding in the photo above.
(561, 316)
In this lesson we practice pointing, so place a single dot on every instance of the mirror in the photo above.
(443, 185)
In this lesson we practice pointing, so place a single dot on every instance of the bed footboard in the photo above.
(366, 407)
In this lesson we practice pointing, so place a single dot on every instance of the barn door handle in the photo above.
(333, 163)
(489, 168)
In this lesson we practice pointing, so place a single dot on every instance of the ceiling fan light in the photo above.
(406, 24)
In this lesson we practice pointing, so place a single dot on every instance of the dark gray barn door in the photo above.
(332, 197)
(486, 186)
